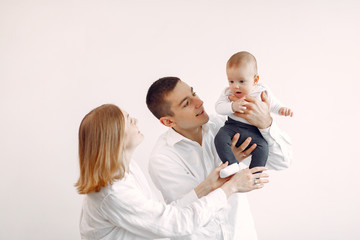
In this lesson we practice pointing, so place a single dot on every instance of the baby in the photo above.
(241, 70)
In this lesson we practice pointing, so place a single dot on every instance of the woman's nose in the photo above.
(198, 102)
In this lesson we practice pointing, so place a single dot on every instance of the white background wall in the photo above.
(60, 59)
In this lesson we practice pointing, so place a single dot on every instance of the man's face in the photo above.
(187, 107)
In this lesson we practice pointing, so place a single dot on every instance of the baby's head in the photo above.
(241, 71)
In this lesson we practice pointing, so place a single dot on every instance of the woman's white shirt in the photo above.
(127, 209)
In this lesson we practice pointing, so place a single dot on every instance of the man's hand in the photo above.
(257, 112)
(239, 152)
(249, 180)
(211, 182)
(246, 180)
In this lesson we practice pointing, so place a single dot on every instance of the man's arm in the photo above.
(257, 112)
(178, 188)
(280, 148)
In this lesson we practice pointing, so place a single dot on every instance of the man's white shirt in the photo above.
(177, 165)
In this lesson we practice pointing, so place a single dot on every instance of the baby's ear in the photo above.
(167, 121)
(256, 79)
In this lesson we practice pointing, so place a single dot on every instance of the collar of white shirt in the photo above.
(174, 137)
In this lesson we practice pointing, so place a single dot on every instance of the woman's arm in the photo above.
(133, 211)
(130, 209)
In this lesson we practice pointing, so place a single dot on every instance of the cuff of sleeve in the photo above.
(269, 133)
(230, 110)
(265, 131)
(188, 198)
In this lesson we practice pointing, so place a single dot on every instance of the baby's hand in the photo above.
(286, 112)
(233, 98)
(237, 105)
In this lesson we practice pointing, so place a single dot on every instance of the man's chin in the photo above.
(203, 117)
(206, 118)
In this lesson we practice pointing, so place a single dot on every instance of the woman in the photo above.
(118, 202)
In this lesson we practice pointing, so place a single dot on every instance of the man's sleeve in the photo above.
(280, 147)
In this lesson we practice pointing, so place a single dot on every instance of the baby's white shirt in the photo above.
(223, 104)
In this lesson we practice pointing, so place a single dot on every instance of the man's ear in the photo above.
(167, 121)
(256, 79)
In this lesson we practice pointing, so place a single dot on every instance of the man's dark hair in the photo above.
(155, 98)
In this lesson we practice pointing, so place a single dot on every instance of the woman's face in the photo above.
(133, 137)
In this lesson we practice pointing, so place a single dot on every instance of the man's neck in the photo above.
(194, 134)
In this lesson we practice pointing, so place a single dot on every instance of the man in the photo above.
(185, 154)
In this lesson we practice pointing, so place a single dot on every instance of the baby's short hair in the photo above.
(240, 58)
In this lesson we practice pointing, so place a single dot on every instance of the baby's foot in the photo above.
(229, 170)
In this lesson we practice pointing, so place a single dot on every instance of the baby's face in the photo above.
(242, 80)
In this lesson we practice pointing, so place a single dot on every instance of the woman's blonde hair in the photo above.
(101, 148)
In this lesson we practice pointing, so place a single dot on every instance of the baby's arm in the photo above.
(226, 105)
(277, 107)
